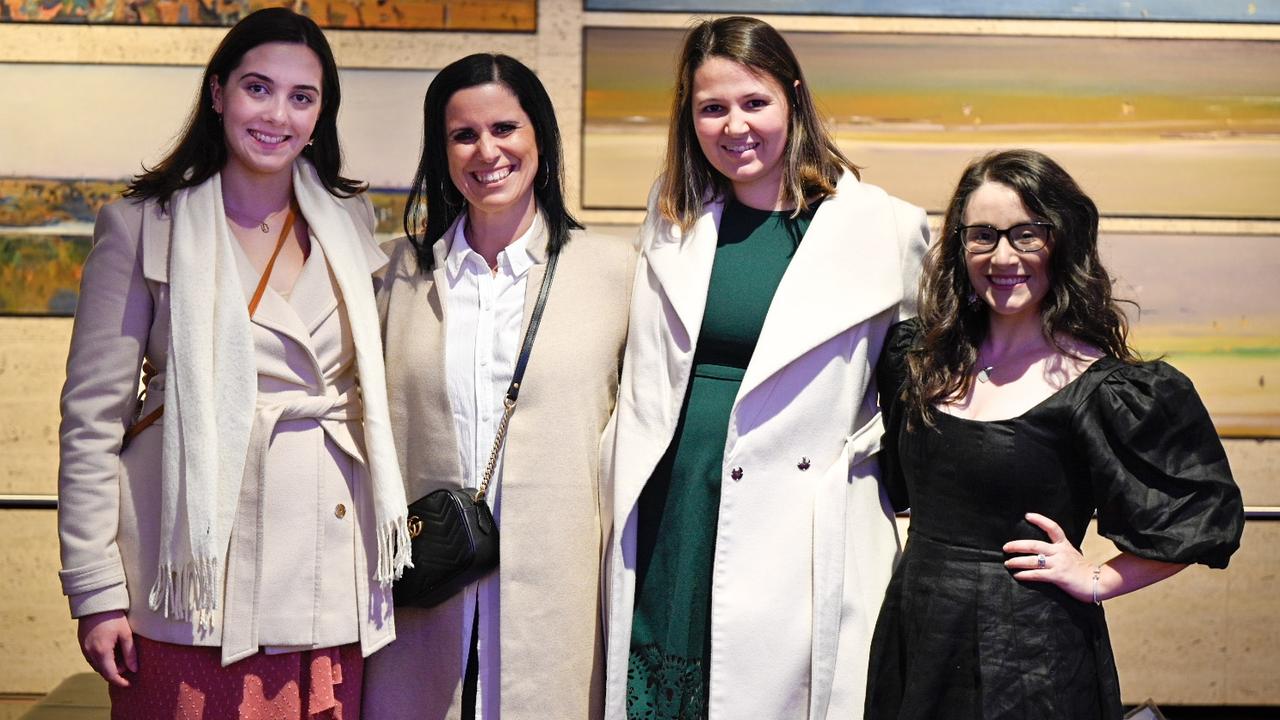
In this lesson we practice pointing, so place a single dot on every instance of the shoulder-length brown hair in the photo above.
(812, 161)
(434, 203)
(1078, 305)
(201, 150)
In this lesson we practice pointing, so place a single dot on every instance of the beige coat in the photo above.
(109, 511)
(551, 662)
(805, 539)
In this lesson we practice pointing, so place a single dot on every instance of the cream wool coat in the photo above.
(551, 662)
(805, 540)
(109, 499)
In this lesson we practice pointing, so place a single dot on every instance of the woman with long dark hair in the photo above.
(229, 540)
(1015, 409)
(486, 219)
(750, 542)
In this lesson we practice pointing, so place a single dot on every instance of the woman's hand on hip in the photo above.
(107, 643)
(1056, 561)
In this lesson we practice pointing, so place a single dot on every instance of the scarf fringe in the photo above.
(190, 592)
(393, 550)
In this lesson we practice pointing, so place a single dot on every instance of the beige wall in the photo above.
(1203, 637)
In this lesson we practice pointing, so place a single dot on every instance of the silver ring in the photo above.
(1040, 561)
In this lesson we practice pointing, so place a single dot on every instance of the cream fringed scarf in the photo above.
(210, 394)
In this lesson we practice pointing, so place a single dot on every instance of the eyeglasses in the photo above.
(1027, 237)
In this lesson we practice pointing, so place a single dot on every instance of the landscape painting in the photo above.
(1177, 10)
(482, 15)
(1154, 128)
(46, 229)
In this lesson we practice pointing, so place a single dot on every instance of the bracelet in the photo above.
(1097, 571)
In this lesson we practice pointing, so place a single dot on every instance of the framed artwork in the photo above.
(46, 230)
(472, 15)
(1152, 128)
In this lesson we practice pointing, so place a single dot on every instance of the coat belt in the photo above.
(240, 635)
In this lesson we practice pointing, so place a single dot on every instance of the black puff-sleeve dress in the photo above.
(957, 636)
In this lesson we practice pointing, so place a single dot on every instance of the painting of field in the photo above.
(486, 15)
(1208, 305)
(1180, 10)
(46, 227)
(1152, 128)
(40, 273)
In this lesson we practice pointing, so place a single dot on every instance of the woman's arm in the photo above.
(112, 326)
(1064, 566)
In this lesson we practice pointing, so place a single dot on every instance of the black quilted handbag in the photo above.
(453, 535)
(454, 543)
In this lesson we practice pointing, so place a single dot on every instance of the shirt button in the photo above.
(736, 473)
(803, 464)
(340, 511)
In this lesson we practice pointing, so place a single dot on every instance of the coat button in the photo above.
(803, 464)
(736, 473)
(340, 511)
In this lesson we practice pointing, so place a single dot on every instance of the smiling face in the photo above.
(492, 149)
(741, 121)
(1013, 284)
(269, 107)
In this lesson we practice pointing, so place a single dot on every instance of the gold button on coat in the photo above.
(340, 511)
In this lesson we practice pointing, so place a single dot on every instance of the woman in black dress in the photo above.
(1015, 409)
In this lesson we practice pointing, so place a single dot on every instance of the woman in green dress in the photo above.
(750, 542)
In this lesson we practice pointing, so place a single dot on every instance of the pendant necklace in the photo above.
(264, 226)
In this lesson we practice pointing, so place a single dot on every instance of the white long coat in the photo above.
(805, 538)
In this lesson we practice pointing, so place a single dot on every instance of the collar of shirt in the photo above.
(514, 260)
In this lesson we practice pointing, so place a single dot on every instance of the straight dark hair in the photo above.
(201, 150)
(1079, 303)
(812, 162)
(434, 203)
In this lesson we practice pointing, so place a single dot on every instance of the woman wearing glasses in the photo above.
(1015, 408)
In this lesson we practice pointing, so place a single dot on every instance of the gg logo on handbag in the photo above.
(415, 526)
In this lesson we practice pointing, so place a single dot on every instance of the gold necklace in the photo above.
(263, 225)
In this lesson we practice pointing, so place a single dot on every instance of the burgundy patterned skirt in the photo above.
(181, 682)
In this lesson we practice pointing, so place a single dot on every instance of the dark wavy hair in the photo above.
(434, 203)
(201, 150)
(812, 161)
(1078, 304)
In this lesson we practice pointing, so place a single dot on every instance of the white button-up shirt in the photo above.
(485, 311)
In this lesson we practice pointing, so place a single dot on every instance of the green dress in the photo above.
(668, 672)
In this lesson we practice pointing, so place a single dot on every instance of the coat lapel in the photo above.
(314, 296)
(156, 228)
(274, 312)
(682, 264)
(845, 271)
(438, 465)
(537, 247)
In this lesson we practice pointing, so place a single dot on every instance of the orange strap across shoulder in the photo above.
(147, 370)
